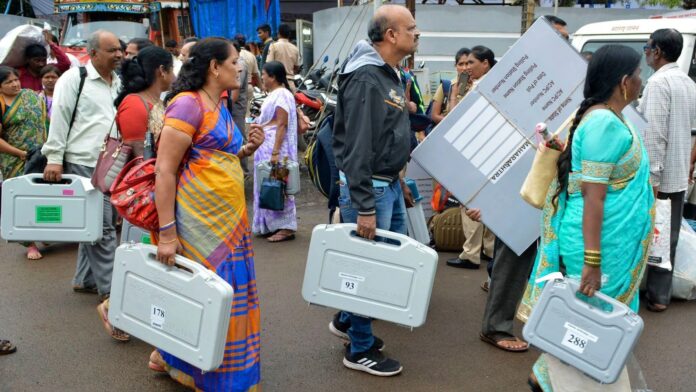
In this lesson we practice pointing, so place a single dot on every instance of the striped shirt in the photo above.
(669, 105)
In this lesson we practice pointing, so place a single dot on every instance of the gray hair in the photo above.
(93, 42)
(378, 26)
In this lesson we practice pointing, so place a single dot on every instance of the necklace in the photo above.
(615, 112)
(216, 103)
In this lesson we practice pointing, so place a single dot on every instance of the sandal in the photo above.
(280, 237)
(6, 347)
(33, 253)
(485, 286)
(154, 363)
(114, 332)
(497, 343)
(656, 308)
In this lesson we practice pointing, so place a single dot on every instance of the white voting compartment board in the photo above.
(183, 310)
(36, 210)
(389, 279)
(483, 150)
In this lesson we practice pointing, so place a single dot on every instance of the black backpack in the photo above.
(321, 162)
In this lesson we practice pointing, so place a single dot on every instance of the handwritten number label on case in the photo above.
(157, 317)
(349, 286)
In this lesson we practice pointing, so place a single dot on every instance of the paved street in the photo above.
(63, 347)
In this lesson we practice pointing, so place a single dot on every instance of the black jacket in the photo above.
(371, 128)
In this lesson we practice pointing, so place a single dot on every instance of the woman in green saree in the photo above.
(598, 219)
(23, 127)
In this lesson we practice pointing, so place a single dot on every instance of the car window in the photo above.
(637, 45)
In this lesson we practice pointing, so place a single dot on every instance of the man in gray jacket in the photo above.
(371, 145)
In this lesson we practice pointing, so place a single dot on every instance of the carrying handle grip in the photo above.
(605, 302)
(382, 236)
(181, 263)
(37, 178)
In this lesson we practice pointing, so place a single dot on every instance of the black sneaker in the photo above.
(373, 362)
(341, 330)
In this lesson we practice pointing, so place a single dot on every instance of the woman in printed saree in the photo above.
(23, 127)
(598, 217)
(199, 193)
(49, 78)
(279, 117)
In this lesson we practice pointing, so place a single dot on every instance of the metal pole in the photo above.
(7, 9)
(555, 7)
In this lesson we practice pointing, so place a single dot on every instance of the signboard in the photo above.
(483, 150)
(128, 6)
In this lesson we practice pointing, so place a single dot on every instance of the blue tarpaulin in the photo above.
(226, 18)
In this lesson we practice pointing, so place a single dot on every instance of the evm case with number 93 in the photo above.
(390, 278)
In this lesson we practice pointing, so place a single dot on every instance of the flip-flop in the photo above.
(288, 237)
(6, 347)
(496, 343)
(32, 253)
(115, 333)
(154, 366)
(485, 286)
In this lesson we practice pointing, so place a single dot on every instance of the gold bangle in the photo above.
(169, 242)
(593, 259)
(593, 265)
(592, 252)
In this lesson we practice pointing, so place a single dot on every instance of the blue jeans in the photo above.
(391, 215)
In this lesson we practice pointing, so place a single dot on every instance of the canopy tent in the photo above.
(225, 18)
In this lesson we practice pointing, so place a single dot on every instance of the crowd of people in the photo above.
(596, 225)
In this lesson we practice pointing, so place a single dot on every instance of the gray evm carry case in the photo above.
(595, 338)
(183, 310)
(388, 279)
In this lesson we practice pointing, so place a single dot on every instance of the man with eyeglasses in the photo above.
(669, 105)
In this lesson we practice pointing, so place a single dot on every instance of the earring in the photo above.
(217, 75)
(625, 94)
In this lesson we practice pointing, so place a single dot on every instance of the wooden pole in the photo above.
(528, 7)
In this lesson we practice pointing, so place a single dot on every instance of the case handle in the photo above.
(600, 300)
(37, 178)
(181, 263)
(378, 238)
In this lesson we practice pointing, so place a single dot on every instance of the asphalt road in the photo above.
(63, 347)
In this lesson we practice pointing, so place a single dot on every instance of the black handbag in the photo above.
(272, 194)
(35, 162)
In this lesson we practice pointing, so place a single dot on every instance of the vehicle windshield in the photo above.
(637, 45)
(78, 34)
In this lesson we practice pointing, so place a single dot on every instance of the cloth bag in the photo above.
(684, 278)
(272, 194)
(15, 41)
(112, 159)
(536, 185)
(659, 255)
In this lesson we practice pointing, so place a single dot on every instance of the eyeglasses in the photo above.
(648, 47)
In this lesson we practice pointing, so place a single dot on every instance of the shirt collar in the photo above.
(666, 68)
(93, 74)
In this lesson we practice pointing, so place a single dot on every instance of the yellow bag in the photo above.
(536, 185)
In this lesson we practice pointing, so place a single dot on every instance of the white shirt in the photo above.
(93, 119)
(669, 105)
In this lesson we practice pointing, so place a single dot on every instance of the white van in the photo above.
(635, 33)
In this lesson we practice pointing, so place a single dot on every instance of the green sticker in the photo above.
(49, 214)
(145, 239)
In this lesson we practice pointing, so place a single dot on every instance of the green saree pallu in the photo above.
(23, 127)
(606, 151)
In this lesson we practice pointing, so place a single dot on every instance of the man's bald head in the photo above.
(386, 17)
(104, 50)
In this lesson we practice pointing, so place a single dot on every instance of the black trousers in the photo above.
(659, 284)
(508, 281)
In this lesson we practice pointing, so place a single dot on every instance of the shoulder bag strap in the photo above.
(83, 76)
